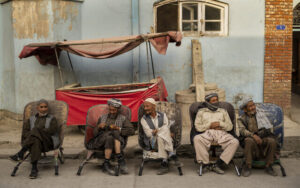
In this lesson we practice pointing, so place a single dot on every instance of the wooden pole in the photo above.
(60, 73)
(153, 71)
(198, 76)
(148, 63)
(58, 44)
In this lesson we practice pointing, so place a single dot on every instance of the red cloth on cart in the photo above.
(79, 102)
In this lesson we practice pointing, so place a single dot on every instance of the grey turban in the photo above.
(209, 96)
(245, 102)
(114, 102)
(42, 101)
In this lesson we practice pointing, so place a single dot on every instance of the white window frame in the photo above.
(201, 17)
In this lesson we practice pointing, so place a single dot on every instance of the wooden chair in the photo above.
(174, 116)
(94, 113)
(275, 115)
(193, 112)
(59, 110)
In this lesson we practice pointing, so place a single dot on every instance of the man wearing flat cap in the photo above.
(40, 134)
(214, 124)
(109, 135)
(257, 138)
(158, 136)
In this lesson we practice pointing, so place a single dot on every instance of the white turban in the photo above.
(151, 100)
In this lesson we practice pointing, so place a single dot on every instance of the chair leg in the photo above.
(282, 169)
(117, 170)
(17, 166)
(56, 154)
(236, 168)
(200, 169)
(141, 167)
(89, 156)
(61, 156)
(213, 149)
(179, 171)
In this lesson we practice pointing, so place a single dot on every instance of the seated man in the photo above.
(40, 134)
(214, 123)
(257, 137)
(109, 135)
(158, 136)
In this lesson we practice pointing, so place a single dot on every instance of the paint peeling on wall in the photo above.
(30, 18)
(63, 11)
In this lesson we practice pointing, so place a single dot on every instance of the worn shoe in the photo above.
(164, 168)
(205, 168)
(217, 169)
(16, 157)
(270, 170)
(174, 161)
(246, 171)
(123, 167)
(33, 173)
(107, 167)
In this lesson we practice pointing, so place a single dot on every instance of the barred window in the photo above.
(192, 17)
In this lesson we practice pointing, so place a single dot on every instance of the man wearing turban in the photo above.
(257, 138)
(40, 134)
(109, 135)
(158, 136)
(214, 124)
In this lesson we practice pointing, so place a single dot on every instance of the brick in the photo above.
(278, 52)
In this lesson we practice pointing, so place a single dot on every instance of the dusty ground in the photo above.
(92, 176)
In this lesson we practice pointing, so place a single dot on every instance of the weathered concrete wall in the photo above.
(66, 26)
(227, 60)
(36, 21)
(31, 24)
(101, 19)
(7, 70)
(234, 62)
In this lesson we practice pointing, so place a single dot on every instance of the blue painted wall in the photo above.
(7, 70)
(234, 62)
(101, 19)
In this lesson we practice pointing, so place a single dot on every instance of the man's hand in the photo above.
(101, 125)
(114, 127)
(172, 135)
(257, 139)
(215, 125)
(154, 132)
